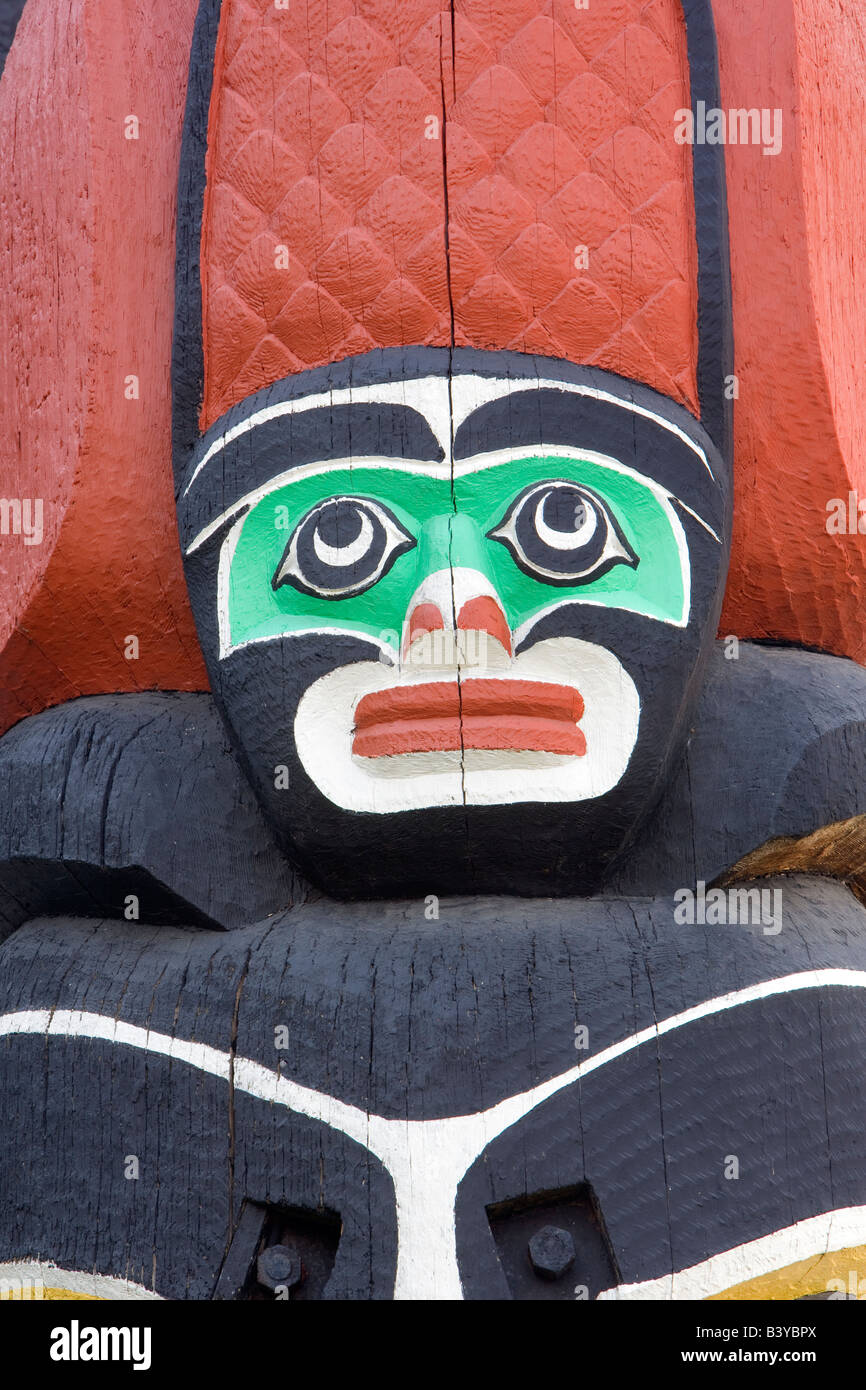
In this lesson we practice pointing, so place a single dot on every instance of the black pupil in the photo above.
(339, 524)
(564, 509)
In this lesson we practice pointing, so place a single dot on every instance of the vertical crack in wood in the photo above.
(231, 1097)
(451, 346)
(648, 973)
(826, 1112)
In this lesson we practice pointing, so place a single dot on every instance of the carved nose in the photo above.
(424, 617)
(480, 616)
(484, 614)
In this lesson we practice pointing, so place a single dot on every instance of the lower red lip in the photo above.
(441, 716)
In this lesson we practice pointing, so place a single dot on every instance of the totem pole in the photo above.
(433, 767)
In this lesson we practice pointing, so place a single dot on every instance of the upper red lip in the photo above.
(436, 716)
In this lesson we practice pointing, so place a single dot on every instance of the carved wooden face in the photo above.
(453, 604)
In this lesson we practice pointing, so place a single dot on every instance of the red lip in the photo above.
(440, 716)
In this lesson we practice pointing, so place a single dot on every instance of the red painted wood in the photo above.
(425, 617)
(86, 268)
(798, 249)
(448, 735)
(324, 231)
(484, 614)
(477, 713)
(86, 299)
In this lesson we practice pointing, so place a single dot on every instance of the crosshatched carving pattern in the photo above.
(341, 131)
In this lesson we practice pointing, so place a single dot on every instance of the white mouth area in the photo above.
(325, 718)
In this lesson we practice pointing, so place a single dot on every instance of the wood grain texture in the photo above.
(430, 180)
(86, 299)
(776, 749)
(100, 790)
(798, 248)
(10, 13)
(421, 1019)
(643, 633)
(837, 851)
(416, 1086)
(107, 797)
(418, 1020)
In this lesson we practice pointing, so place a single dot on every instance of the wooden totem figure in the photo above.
(433, 768)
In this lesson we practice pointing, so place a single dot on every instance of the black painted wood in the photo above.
(560, 847)
(93, 794)
(115, 795)
(407, 1018)
(777, 746)
(10, 14)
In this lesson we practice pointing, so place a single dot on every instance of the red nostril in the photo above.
(425, 618)
(483, 614)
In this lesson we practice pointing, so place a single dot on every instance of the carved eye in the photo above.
(342, 547)
(562, 534)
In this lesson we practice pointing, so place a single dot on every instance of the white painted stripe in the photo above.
(435, 408)
(431, 398)
(469, 391)
(227, 554)
(312, 470)
(521, 633)
(699, 520)
(818, 1235)
(443, 473)
(426, 1159)
(33, 1276)
(495, 458)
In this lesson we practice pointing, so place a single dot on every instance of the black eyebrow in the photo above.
(355, 430)
(546, 417)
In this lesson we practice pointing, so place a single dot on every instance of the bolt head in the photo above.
(551, 1252)
(278, 1266)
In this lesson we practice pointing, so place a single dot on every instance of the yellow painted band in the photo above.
(842, 1271)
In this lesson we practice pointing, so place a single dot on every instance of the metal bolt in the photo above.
(278, 1267)
(551, 1251)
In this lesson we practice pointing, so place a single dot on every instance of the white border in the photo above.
(427, 1159)
(817, 1235)
(35, 1273)
(445, 402)
(441, 471)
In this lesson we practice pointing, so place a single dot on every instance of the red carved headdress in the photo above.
(384, 172)
(508, 180)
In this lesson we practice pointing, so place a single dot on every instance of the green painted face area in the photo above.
(450, 530)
